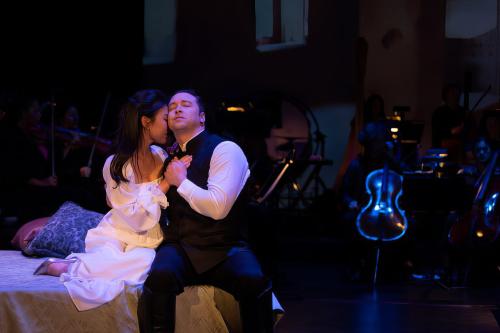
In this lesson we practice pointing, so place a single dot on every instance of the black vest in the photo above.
(205, 240)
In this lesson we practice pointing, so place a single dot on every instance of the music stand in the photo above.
(410, 136)
(273, 180)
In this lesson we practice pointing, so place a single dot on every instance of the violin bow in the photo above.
(52, 137)
(98, 132)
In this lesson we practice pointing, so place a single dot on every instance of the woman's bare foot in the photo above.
(57, 268)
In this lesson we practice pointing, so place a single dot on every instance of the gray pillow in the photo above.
(64, 233)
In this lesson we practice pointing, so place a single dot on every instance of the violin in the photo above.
(75, 138)
(382, 219)
(482, 222)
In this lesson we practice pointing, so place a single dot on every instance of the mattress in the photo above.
(40, 303)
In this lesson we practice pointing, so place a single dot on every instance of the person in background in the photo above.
(452, 128)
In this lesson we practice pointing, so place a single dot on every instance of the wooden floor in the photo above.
(318, 296)
(313, 281)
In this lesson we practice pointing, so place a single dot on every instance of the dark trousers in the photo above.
(240, 275)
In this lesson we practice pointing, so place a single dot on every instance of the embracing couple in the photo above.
(175, 218)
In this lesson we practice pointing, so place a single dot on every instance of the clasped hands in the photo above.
(176, 172)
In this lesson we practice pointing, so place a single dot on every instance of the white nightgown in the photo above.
(121, 249)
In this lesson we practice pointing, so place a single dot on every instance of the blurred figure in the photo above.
(374, 109)
(30, 162)
(451, 126)
(74, 150)
(375, 139)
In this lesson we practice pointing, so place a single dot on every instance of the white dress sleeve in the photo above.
(136, 205)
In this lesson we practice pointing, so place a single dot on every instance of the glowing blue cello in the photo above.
(382, 219)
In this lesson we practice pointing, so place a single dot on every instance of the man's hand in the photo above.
(177, 170)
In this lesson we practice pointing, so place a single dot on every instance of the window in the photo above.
(281, 23)
(159, 31)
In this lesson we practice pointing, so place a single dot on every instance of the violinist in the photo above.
(77, 162)
(30, 162)
(70, 142)
(77, 146)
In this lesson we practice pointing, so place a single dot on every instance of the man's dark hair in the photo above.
(196, 95)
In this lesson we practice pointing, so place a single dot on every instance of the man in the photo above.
(203, 243)
(452, 127)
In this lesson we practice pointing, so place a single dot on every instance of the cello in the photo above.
(382, 219)
(481, 223)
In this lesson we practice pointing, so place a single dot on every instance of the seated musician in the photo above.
(30, 161)
(482, 153)
(375, 139)
(78, 164)
(452, 128)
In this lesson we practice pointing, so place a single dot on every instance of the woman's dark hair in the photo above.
(142, 103)
(371, 113)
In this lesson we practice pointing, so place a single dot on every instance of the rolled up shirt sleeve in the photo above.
(227, 176)
(136, 205)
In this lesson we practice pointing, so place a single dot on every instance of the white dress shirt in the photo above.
(226, 178)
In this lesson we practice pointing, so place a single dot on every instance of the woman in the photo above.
(120, 250)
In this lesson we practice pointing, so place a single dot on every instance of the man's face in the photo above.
(184, 113)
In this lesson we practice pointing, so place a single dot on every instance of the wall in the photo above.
(216, 53)
(408, 68)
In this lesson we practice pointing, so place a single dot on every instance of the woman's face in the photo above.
(482, 151)
(158, 127)
(33, 114)
(71, 118)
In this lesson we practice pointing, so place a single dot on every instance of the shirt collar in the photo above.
(184, 145)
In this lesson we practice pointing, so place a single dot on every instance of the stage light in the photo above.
(235, 109)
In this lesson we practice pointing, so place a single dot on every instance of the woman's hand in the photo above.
(177, 170)
(186, 160)
(85, 171)
(171, 176)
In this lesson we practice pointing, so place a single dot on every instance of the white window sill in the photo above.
(279, 46)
